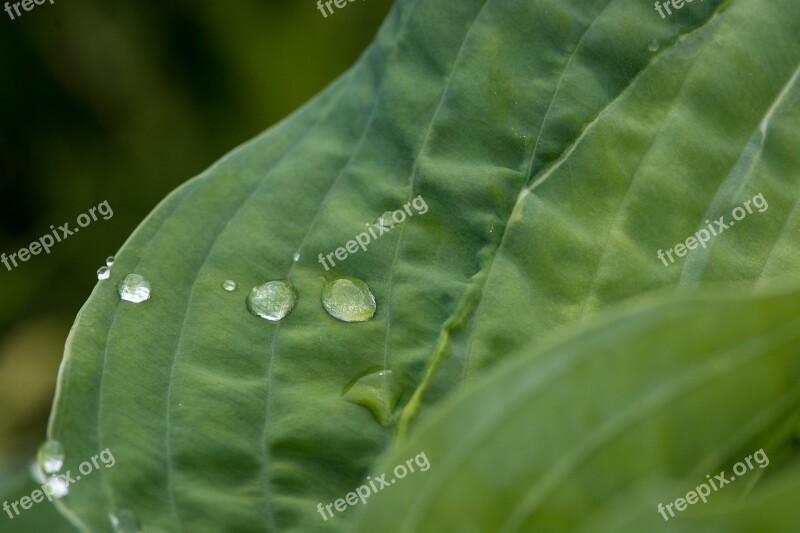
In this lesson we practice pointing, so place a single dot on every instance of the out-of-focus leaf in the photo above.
(593, 432)
(772, 508)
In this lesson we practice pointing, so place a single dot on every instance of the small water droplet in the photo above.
(134, 288)
(272, 301)
(110, 261)
(36, 473)
(349, 300)
(125, 521)
(57, 486)
(386, 219)
(378, 392)
(51, 456)
(103, 273)
(296, 257)
(229, 285)
(653, 46)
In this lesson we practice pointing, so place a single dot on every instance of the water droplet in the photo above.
(653, 46)
(349, 300)
(51, 456)
(386, 219)
(110, 261)
(378, 392)
(103, 273)
(36, 473)
(229, 285)
(57, 487)
(134, 288)
(273, 300)
(125, 521)
(296, 257)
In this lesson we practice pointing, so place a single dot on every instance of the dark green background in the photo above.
(124, 101)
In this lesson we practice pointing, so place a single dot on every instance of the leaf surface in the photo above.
(555, 154)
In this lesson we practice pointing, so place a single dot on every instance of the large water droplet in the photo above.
(378, 392)
(103, 273)
(57, 487)
(296, 257)
(653, 46)
(349, 300)
(229, 285)
(110, 261)
(51, 456)
(125, 521)
(273, 300)
(134, 288)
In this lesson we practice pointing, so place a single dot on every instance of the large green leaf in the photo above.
(556, 154)
(593, 433)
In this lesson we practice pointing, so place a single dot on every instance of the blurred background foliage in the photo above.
(124, 101)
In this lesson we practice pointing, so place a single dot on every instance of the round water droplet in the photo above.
(57, 486)
(110, 261)
(103, 273)
(653, 46)
(229, 285)
(378, 392)
(296, 257)
(272, 301)
(134, 288)
(51, 456)
(125, 521)
(349, 300)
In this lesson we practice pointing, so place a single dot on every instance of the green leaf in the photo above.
(555, 155)
(592, 433)
(772, 508)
